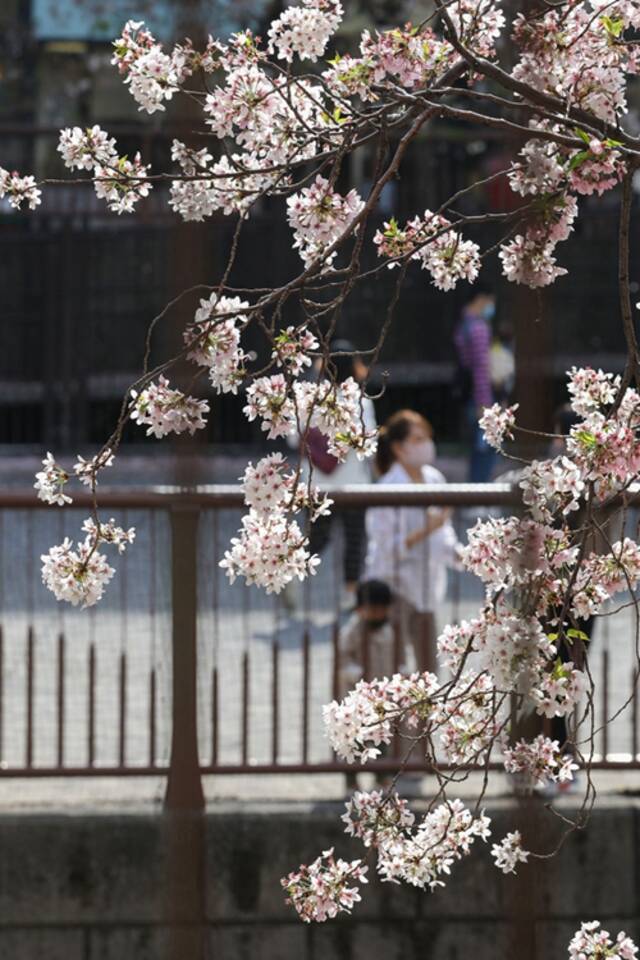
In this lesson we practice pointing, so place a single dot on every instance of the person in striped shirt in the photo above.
(472, 339)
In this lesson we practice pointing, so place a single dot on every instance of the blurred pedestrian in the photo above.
(367, 646)
(410, 548)
(328, 471)
(366, 643)
(502, 363)
(473, 338)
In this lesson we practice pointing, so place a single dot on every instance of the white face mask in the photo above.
(419, 454)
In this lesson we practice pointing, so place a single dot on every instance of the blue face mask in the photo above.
(489, 311)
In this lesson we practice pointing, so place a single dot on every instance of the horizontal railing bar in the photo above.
(383, 766)
(222, 495)
(42, 772)
(357, 495)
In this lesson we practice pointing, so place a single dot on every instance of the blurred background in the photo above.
(177, 677)
(78, 285)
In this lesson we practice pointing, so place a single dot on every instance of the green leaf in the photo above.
(582, 134)
(586, 438)
(574, 634)
(579, 159)
(613, 25)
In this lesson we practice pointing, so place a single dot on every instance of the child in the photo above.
(367, 644)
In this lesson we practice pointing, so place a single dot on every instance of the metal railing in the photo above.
(178, 673)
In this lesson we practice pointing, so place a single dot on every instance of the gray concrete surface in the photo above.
(95, 886)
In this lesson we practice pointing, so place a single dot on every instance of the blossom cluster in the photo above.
(164, 410)
(270, 549)
(152, 75)
(118, 180)
(76, 573)
(324, 888)
(306, 30)
(367, 716)
(509, 852)
(540, 760)
(19, 190)
(269, 552)
(497, 423)
(592, 943)
(319, 216)
(52, 479)
(214, 339)
(441, 251)
(420, 853)
(333, 408)
(292, 349)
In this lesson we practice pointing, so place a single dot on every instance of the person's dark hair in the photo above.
(374, 592)
(342, 367)
(396, 429)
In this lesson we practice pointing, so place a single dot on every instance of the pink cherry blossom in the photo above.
(165, 410)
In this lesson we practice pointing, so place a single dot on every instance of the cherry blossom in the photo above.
(87, 470)
(214, 337)
(478, 23)
(325, 887)
(497, 424)
(540, 760)
(19, 190)
(87, 149)
(468, 719)
(591, 389)
(269, 489)
(365, 718)
(77, 574)
(122, 183)
(319, 215)
(526, 261)
(377, 817)
(305, 30)
(50, 482)
(109, 532)
(291, 349)
(424, 855)
(590, 942)
(403, 55)
(165, 410)
(152, 75)
(336, 410)
(559, 691)
(270, 552)
(550, 486)
(509, 853)
(269, 399)
(441, 251)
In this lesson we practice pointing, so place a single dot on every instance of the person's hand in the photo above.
(437, 517)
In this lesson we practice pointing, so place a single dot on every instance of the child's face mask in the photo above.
(377, 623)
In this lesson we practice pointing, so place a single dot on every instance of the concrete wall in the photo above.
(93, 888)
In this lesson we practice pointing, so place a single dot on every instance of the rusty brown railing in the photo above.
(273, 687)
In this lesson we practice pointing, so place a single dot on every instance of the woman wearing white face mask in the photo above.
(410, 548)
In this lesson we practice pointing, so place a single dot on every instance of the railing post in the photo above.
(184, 801)
(184, 784)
